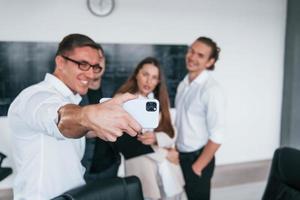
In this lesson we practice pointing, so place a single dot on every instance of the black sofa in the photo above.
(4, 171)
(284, 177)
(128, 188)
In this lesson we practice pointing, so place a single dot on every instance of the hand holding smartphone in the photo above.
(144, 111)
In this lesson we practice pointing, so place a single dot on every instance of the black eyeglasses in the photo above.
(84, 66)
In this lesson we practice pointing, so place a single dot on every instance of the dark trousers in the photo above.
(197, 188)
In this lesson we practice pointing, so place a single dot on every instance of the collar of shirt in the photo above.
(62, 88)
(201, 78)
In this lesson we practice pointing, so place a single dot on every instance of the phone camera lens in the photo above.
(151, 106)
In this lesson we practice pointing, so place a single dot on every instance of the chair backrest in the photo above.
(128, 188)
(284, 177)
(4, 171)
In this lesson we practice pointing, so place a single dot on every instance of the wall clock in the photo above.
(101, 7)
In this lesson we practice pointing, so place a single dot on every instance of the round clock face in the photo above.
(101, 7)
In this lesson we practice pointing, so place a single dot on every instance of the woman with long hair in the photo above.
(159, 172)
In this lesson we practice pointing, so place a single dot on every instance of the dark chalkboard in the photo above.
(25, 63)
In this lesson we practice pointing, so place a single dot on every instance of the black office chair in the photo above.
(4, 171)
(284, 177)
(128, 188)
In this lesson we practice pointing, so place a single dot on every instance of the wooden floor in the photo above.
(245, 181)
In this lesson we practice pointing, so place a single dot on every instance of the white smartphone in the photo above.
(144, 111)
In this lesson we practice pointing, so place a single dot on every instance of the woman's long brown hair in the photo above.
(160, 93)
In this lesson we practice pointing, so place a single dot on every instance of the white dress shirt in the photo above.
(200, 113)
(47, 163)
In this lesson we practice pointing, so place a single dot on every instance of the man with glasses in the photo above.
(48, 126)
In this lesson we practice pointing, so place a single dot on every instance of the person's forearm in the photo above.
(71, 123)
(206, 155)
(107, 120)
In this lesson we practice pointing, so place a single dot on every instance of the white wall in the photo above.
(249, 32)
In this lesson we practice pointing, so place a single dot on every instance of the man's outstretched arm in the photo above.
(107, 120)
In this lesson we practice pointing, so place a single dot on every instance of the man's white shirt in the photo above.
(200, 113)
(47, 163)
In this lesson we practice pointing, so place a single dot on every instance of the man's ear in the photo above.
(59, 62)
(210, 63)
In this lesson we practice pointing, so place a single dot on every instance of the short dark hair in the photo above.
(215, 50)
(72, 41)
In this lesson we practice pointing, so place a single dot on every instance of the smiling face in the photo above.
(147, 79)
(198, 57)
(96, 82)
(68, 72)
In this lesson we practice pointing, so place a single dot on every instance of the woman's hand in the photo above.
(147, 138)
(173, 156)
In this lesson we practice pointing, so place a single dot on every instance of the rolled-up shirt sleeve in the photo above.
(164, 140)
(159, 154)
(215, 118)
